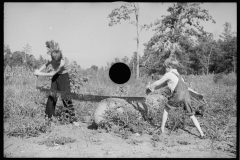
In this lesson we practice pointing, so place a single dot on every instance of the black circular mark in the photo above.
(119, 73)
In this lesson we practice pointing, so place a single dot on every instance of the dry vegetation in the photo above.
(24, 106)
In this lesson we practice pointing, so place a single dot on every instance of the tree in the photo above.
(66, 60)
(125, 60)
(229, 45)
(227, 32)
(16, 59)
(133, 63)
(7, 55)
(108, 65)
(41, 61)
(124, 12)
(206, 47)
(27, 50)
(174, 30)
(94, 67)
(117, 60)
(7, 50)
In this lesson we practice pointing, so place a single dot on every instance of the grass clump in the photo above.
(52, 141)
(24, 106)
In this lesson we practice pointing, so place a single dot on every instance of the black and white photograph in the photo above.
(120, 80)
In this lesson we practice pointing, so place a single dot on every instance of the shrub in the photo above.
(176, 119)
(226, 79)
(21, 126)
(229, 79)
(217, 77)
(130, 121)
(24, 106)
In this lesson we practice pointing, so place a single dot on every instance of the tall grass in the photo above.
(24, 106)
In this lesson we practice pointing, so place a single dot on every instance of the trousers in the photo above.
(59, 82)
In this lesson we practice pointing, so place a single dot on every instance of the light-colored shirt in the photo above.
(169, 79)
(64, 69)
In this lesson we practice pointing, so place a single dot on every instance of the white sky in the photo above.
(82, 29)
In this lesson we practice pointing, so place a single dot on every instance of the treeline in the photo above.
(181, 35)
(20, 58)
(178, 34)
(202, 56)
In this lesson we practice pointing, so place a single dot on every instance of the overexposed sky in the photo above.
(82, 29)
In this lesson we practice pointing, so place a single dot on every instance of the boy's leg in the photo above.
(195, 121)
(164, 120)
(52, 101)
(50, 107)
(69, 109)
(192, 117)
(64, 85)
(172, 102)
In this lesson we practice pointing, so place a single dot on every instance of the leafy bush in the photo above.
(24, 106)
(176, 119)
(130, 121)
(21, 126)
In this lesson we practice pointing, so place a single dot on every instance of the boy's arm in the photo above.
(53, 72)
(44, 66)
(58, 69)
(159, 83)
(191, 89)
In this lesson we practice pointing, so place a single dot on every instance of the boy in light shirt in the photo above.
(179, 93)
(60, 81)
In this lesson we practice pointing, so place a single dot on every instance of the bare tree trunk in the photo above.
(234, 63)
(209, 60)
(133, 69)
(136, 13)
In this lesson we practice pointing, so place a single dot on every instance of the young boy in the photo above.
(60, 80)
(179, 91)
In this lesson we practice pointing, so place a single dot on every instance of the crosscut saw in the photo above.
(86, 97)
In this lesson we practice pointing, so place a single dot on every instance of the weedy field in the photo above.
(26, 133)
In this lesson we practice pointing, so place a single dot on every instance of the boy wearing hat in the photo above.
(179, 91)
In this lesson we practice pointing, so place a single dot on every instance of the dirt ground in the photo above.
(99, 144)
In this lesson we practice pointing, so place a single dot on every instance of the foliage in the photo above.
(176, 34)
(130, 121)
(120, 13)
(94, 67)
(22, 58)
(226, 79)
(24, 106)
(75, 81)
(124, 12)
(26, 50)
